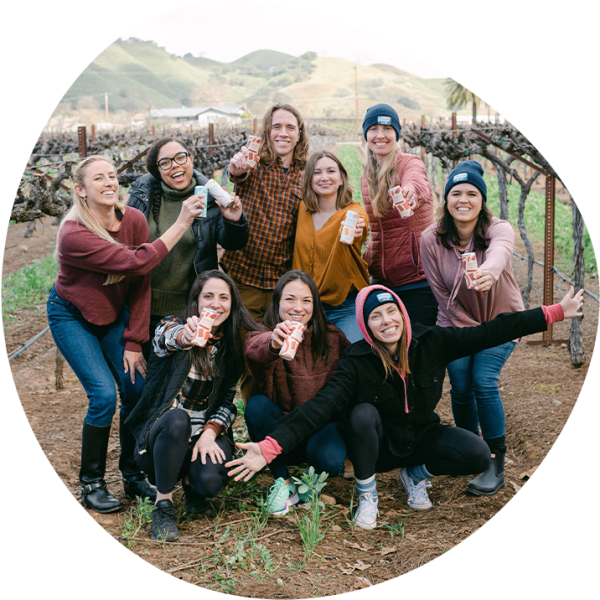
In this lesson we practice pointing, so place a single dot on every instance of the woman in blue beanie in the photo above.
(393, 251)
(468, 226)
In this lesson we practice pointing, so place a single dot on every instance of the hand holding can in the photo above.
(253, 145)
(469, 263)
(401, 204)
(291, 343)
(202, 190)
(349, 227)
(204, 327)
(220, 194)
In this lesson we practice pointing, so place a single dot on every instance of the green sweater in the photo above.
(172, 279)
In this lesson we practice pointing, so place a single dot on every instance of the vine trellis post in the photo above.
(548, 236)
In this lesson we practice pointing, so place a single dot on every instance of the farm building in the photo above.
(203, 115)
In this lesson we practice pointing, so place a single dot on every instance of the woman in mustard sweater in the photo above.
(337, 268)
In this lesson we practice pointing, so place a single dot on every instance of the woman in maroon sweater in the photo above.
(98, 312)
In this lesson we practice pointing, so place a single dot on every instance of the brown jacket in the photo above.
(290, 383)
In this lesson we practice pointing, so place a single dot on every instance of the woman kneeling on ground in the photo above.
(388, 386)
(183, 421)
(280, 385)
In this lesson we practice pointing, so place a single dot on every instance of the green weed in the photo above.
(398, 529)
(139, 514)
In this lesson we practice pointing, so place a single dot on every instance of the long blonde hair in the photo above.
(380, 179)
(80, 211)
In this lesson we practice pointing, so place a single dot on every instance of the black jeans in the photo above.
(444, 450)
(169, 457)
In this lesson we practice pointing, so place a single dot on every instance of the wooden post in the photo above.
(153, 129)
(549, 250)
(82, 141)
(211, 138)
(93, 133)
(255, 123)
(455, 130)
(59, 382)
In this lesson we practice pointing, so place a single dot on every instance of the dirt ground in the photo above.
(539, 389)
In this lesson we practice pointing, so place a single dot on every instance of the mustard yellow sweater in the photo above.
(334, 266)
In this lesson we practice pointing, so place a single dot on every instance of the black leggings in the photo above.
(444, 450)
(169, 457)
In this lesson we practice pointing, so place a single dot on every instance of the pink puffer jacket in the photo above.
(393, 251)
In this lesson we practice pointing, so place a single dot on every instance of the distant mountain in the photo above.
(139, 75)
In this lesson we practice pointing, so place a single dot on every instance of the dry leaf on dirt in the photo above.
(336, 528)
(329, 500)
(361, 582)
(517, 488)
(355, 546)
(361, 566)
(385, 551)
(527, 474)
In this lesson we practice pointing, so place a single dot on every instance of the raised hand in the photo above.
(249, 464)
(237, 164)
(572, 303)
(234, 211)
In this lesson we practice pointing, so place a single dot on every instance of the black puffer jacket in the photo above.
(407, 406)
(207, 232)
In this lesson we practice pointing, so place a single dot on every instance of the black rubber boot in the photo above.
(492, 479)
(135, 482)
(94, 495)
(195, 504)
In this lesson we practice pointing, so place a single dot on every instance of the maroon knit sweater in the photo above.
(290, 383)
(86, 259)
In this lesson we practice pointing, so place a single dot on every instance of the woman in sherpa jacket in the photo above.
(388, 386)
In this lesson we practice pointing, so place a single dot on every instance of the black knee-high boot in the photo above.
(492, 479)
(135, 482)
(94, 495)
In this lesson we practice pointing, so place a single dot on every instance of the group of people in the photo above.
(380, 326)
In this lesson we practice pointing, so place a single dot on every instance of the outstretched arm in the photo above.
(249, 464)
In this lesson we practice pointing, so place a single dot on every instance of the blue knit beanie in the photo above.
(469, 171)
(376, 298)
(381, 114)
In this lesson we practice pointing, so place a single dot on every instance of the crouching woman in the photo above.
(183, 420)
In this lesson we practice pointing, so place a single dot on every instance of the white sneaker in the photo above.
(366, 514)
(417, 492)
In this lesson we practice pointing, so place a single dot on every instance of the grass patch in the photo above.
(28, 287)
(352, 161)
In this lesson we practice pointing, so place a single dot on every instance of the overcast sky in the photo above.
(182, 31)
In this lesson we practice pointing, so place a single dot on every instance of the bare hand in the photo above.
(572, 303)
(411, 196)
(483, 279)
(280, 333)
(190, 208)
(249, 464)
(132, 362)
(206, 445)
(234, 211)
(238, 165)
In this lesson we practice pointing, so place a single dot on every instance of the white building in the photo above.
(203, 115)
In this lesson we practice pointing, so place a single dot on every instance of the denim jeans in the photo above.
(475, 395)
(95, 353)
(325, 450)
(344, 316)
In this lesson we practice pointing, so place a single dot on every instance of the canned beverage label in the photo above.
(202, 190)
(291, 343)
(218, 193)
(253, 145)
(469, 264)
(400, 203)
(205, 323)
(349, 228)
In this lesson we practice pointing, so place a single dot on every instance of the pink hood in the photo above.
(360, 302)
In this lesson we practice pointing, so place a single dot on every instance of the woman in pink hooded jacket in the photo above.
(392, 254)
(387, 387)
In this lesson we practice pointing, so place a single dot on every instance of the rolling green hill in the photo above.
(139, 75)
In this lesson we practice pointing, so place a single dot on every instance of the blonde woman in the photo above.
(393, 252)
(98, 312)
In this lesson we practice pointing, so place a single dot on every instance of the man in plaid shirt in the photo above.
(270, 194)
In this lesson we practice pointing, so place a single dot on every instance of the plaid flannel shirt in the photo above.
(193, 396)
(270, 198)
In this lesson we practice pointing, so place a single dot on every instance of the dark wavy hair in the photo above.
(448, 233)
(231, 332)
(320, 348)
(154, 170)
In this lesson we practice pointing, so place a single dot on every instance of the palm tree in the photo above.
(458, 96)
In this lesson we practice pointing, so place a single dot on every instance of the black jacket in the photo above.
(207, 232)
(361, 378)
(165, 377)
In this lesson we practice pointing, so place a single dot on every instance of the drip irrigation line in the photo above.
(26, 345)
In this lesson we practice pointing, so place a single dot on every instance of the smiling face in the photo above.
(464, 202)
(284, 134)
(177, 176)
(326, 178)
(386, 325)
(100, 186)
(296, 303)
(381, 140)
(216, 294)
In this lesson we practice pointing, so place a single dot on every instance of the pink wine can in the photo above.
(292, 341)
(469, 263)
(204, 327)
